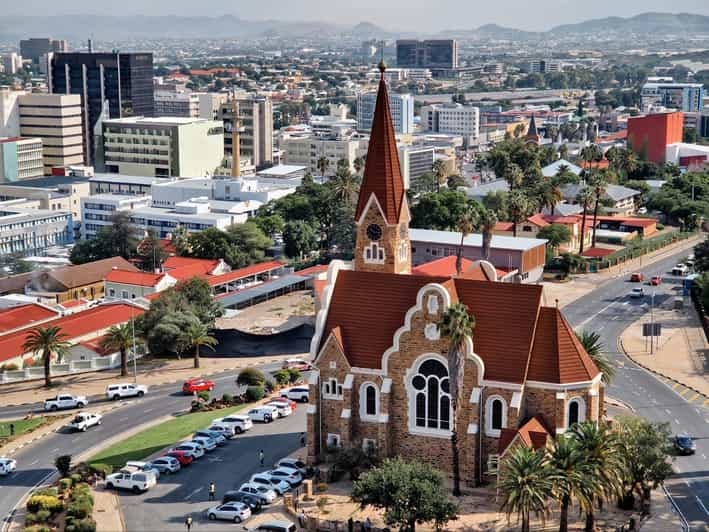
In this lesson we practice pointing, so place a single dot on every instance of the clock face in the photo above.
(374, 232)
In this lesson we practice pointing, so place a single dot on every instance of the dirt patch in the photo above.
(276, 315)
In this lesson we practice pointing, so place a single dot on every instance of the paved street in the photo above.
(166, 505)
(609, 310)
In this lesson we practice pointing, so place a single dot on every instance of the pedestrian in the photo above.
(302, 439)
(212, 491)
(301, 518)
(188, 522)
(261, 457)
(367, 525)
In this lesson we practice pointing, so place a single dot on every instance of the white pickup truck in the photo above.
(135, 481)
(65, 401)
(85, 420)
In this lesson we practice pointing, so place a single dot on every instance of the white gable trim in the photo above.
(349, 379)
(565, 387)
(372, 198)
(321, 318)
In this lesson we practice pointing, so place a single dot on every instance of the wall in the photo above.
(649, 135)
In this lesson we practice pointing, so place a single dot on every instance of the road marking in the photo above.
(54, 450)
(669, 412)
(693, 398)
(584, 322)
(699, 501)
(123, 419)
(676, 385)
(195, 492)
(677, 421)
(626, 303)
(148, 410)
(684, 392)
(33, 463)
(704, 456)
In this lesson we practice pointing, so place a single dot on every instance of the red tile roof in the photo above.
(319, 287)
(558, 356)
(24, 316)
(205, 265)
(562, 219)
(241, 273)
(503, 226)
(382, 174)
(593, 253)
(73, 326)
(134, 278)
(318, 268)
(445, 267)
(533, 433)
(74, 303)
(637, 222)
(538, 220)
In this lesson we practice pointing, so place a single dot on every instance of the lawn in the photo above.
(21, 426)
(151, 440)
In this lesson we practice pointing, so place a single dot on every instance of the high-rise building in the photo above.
(11, 63)
(163, 146)
(687, 97)
(184, 104)
(20, 158)
(649, 136)
(111, 85)
(57, 120)
(402, 111)
(256, 116)
(9, 112)
(452, 118)
(34, 48)
(542, 66)
(433, 53)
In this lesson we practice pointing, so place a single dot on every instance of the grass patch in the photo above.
(22, 426)
(151, 440)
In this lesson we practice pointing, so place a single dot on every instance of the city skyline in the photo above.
(395, 15)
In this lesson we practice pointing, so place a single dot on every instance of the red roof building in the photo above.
(24, 316)
(649, 136)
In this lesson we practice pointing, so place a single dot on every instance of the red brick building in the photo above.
(650, 135)
(382, 370)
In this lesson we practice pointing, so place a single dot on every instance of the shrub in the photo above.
(51, 492)
(63, 464)
(9, 367)
(44, 502)
(31, 518)
(76, 478)
(660, 227)
(251, 377)
(282, 377)
(294, 375)
(83, 525)
(37, 528)
(203, 395)
(196, 406)
(65, 484)
(227, 398)
(269, 385)
(322, 503)
(101, 470)
(43, 516)
(255, 393)
(79, 509)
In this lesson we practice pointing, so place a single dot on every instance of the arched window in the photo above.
(430, 395)
(368, 401)
(495, 415)
(575, 411)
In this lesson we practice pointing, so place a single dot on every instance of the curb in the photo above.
(664, 378)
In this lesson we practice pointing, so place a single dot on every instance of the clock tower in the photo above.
(382, 214)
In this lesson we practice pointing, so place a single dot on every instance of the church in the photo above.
(381, 371)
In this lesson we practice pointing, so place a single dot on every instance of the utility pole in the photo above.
(135, 366)
(652, 323)
(236, 130)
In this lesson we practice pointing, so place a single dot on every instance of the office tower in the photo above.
(542, 66)
(9, 112)
(184, 104)
(434, 53)
(111, 85)
(56, 119)
(687, 97)
(256, 114)
(11, 63)
(453, 119)
(20, 158)
(402, 111)
(163, 146)
(33, 49)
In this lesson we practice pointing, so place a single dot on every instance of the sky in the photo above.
(406, 15)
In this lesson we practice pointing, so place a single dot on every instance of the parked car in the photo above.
(656, 280)
(637, 292)
(166, 464)
(684, 444)
(642, 210)
(227, 431)
(297, 363)
(265, 495)
(293, 405)
(119, 391)
(265, 414)
(7, 465)
(283, 409)
(264, 479)
(277, 526)
(252, 501)
(636, 277)
(230, 511)
(297, 393)
(218, 437)
(84, 420)
(137, 482)
(60, 402)
(240, 422)
(291, 476)
(194, 448)
(144, 466)
(197, 384)
(680, 269)
(208, 444)
(294, 463)
(184, 457)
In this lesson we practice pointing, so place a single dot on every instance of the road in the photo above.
(36, 462)
(609, 310)
(166, 505)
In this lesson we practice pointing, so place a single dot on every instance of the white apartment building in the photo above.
(415, 161)
(664, 92)
(58, 120)
(96, 211)
(402, 111)
(20, 158)
(169, 194)
(307, 151)
(27, 230)
(452, 119)
(163, 146)
(11, 62)
(183, 104)
(130, 185)
(9, 112)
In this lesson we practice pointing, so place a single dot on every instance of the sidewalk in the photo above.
(682, 353)
(151, 373)
(107, 510)
(582, 284)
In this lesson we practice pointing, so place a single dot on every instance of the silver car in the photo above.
(263, 493)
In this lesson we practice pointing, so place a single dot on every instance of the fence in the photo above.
(69, 368)
(637, 248)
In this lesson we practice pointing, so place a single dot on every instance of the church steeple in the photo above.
(382, 213)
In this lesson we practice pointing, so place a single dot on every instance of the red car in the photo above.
(636, 278)
(285, 401)
(297, 363)
(656, 280)
(181, 456)
(197, 385)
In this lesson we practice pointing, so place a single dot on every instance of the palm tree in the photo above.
(197, 335)
(550, 194)
(519, 205)
(565, 458)
(591, 342)
(486, 223)
(525, 485)
(584, 198)
(514, 175)
(322, 164)
(466, 225)
(628, 162)
(46, 340)
(599, 183)
(457, 325)
(590, 154)
(358, 164)
(119, 337)
(345, 187)
(439, 170)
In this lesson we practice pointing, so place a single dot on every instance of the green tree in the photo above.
(584, 198)
(119, 337)
(487, 219)
(569, 471)
(151, 253)
(525, 485)
(439, 172)
(689, 135)
(598, 183)
(591, 342)
(358, 164)
(701, 256)
(424, 183)
(572, 263)
(197, 335)
(457, 326)
(299, 239)
(270, 224)
(409, 493)
(556, 234)
(250, 242)
(441, 210)
(466, 225)
(455, 181)
(591, 154)
(519, 208)
(116, 240)
(47, 341)
(549, 194)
